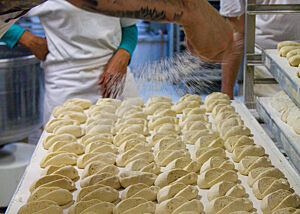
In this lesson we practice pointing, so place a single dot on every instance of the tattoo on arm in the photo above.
(141, 11)
(10, 6)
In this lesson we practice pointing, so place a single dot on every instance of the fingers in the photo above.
(44, 55)
(113, 85)
(102, 78)
(107, 81)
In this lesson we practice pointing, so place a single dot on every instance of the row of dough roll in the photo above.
(102, 175)
(268, 183)
(133, 158)
(290, 50)
(218, 174)
(178, 193)
(136, 156)
(52, 191)
(130, 149)
(290, 113)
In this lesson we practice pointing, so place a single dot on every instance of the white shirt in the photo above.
(77, 37)
(270, 28)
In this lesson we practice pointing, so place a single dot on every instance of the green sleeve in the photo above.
(12, 36)
(129, 38)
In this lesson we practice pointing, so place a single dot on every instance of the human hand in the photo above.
(114, 74)
(208, 34)
(40, 48)
(232, 61)
(37, 45)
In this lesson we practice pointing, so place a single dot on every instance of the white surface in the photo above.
(289, 71)
(284, 133)
(275, 115)
(284, 64)
(261, 138)
(284, 73)
(14, 158)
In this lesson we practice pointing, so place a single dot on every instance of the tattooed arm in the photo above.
(207, 32)
(9, 6)
(155, 10)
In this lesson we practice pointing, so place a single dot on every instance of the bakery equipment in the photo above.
(33, 171)
(283, 133)
(21, 92)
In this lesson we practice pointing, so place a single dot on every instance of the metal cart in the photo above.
(282, 73)
(251, 58)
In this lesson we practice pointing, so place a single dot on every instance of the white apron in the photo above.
(80, 45)
(83, 83)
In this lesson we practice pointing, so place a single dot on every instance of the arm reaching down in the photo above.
(231, 67)
(114, 75)
(207, 32)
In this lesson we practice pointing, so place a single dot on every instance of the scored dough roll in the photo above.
(128, 178)
(278, 200)
(262, 172)
(285, 50)
(134, 205)
(227, 204)
(58, 159)
(75, 148)
(92, 206)
(85, 159)
(68, 171)
(267, 185)
(51, 139)
(104, 193)
(158, 98)
(83, 103)
(53, 181)
(140, 190)
(173, 190)
(87, 139)
(39, 206)
(54, 123)
(225, 188)
(106, 178)
(176, 175)
(178, 205)
(294, 60)
(249, 163)
(61, 110)
(286, 43)
(56, 194)
(212, 176)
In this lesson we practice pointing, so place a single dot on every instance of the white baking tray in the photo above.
(283, 133)
(33, 171)
(285, 74)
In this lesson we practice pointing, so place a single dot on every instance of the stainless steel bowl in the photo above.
(21, 93)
